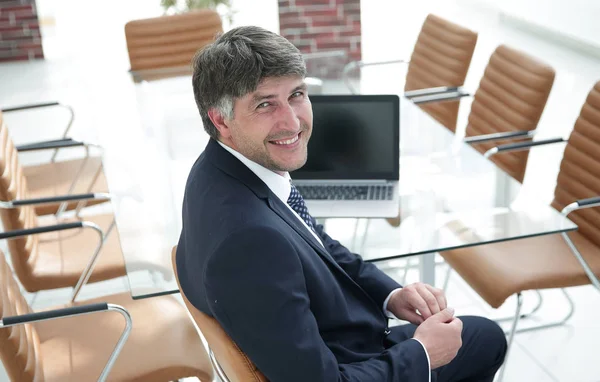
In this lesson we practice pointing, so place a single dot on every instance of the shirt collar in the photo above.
(278, 184)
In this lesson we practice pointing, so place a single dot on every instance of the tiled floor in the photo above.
(90, 72)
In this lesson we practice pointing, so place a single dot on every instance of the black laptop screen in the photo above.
(353, 137)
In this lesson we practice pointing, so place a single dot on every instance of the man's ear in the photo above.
(220, 123)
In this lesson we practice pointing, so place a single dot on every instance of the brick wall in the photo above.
(20, 37)
(317, 26)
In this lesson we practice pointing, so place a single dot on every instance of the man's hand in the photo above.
(441, 336)
(417, 302)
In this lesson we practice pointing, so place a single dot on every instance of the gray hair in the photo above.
(235, 64)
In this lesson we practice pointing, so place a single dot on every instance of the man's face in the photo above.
(272, 125)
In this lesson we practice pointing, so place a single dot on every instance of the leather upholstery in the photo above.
(511, 96)
(170, 42)
(19, 345)
(163, 344)
(497, 271)
(52, 179)
(52, 260)
(441, 57)
(237, 366)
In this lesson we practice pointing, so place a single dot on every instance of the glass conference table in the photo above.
(449, 199)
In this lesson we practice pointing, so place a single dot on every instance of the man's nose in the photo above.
(288, 118)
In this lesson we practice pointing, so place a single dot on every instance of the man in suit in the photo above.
(297, 302)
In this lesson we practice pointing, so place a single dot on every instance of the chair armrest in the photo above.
(42, 144)
(581, 204)
(443, 97)
(54, 199)
(521, 146)
(14, 234)
(589, 202)
(430, 91)
(87, 272)
(77, 311)
(361, 64)
(499, 136)
(55, 144)
(30, 106)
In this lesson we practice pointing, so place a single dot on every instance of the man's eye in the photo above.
(264, 104)
(297, 94)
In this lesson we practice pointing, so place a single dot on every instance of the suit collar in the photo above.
(229, 164)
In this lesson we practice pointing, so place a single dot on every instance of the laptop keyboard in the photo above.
(347, 192)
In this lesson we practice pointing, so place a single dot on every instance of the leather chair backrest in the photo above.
(441, 57)
(19, 345)
(579, 175)
(237, 366)
(511, 96)
(170, 42)
(13, 185)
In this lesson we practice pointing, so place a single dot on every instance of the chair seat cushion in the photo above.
(63, 255)
(497, 271)
(163, 345)
(51, 179)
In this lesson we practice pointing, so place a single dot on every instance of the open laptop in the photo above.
(353, 157)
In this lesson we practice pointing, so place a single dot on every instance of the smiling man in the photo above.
(297, 302)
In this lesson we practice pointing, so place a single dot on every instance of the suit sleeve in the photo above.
(256, 290)
(376, 283)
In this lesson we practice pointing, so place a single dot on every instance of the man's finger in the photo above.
(415, 300)
(439, 295)
(430, 299)
(412, 317)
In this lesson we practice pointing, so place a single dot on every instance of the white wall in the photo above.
(573, 18)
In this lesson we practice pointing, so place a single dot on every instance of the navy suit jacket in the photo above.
(301, 312)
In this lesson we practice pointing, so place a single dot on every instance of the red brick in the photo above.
(324, 13)
(326, 22)
(314, 35)
(350, 33)
(10, 28)
(352, 12)
(293, 25)
(25, 16)
(312, 2)
(284, 3)
(22, 8)
(32, 25)
(332, 44)
(30, 45)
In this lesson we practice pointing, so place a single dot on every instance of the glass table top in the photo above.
(449, 193)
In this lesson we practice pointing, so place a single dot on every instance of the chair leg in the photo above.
(525, 315)
(554, 324)
(511, 335)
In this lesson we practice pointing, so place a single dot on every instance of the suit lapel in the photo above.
(284, 212)
(232, 166)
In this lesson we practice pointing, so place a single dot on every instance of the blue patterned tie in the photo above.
(296, 201)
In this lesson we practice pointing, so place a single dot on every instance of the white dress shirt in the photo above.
(281, 187)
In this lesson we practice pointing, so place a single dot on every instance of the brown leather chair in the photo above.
(163, 47)
(497, 271)
(441, 58)
(163, 344)
(55, 259)
(511, 97)
(232, 365)
(74, 176)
